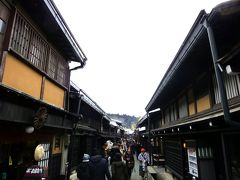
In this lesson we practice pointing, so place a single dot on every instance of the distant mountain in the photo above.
(128, 121)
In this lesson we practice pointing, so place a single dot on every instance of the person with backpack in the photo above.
(83, 171)
(143, 157)
(128, 157)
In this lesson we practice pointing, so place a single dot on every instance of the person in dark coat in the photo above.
(98, 167)
(115, 149)
(83, 171)
(119, 169)
(128, 157)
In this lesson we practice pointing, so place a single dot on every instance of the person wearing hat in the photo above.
(143, 157)
(83, 172)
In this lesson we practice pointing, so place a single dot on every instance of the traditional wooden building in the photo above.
(199, 100)
(35, 48)
(92, 128)
(142, 132)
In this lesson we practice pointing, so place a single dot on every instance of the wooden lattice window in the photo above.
(29, 44)
(21, 36)
(52, 65)
(38, 51)
(43, 163)
(57, 67)
(61, 72)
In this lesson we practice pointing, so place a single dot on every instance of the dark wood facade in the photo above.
(35, 49)
(92, 127)
(200, 128)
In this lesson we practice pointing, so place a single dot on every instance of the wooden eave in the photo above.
(194, 56)
(214, 115)
(46, 15)
(23, 107)
(173, 78)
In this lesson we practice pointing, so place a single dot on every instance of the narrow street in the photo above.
(189, 123)
(135, 174)
(162, 175)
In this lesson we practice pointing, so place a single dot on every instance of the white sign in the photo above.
(192, 161)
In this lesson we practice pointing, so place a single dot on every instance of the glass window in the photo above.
(2, 31)
(2, 26)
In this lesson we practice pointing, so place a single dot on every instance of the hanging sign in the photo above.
(40, 118)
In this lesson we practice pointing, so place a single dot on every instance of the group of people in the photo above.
(121, 164)
(94, 167)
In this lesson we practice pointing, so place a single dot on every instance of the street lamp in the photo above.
(149, 138)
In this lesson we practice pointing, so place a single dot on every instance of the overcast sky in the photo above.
(129, 45)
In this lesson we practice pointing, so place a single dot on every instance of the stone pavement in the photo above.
(161, 173)
(135, 172)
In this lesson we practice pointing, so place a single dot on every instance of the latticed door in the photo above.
(43, 163)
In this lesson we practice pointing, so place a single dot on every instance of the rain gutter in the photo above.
(217, 67)
(224, 9)
(65, 29)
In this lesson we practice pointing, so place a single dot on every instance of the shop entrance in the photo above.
(15, 158)
(234, 149)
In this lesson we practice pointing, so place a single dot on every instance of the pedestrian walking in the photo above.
(83, 170)
(114, 150)
(98, 167)
(119, 169)
(107, 149)
(143, 157)
(128, 157)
